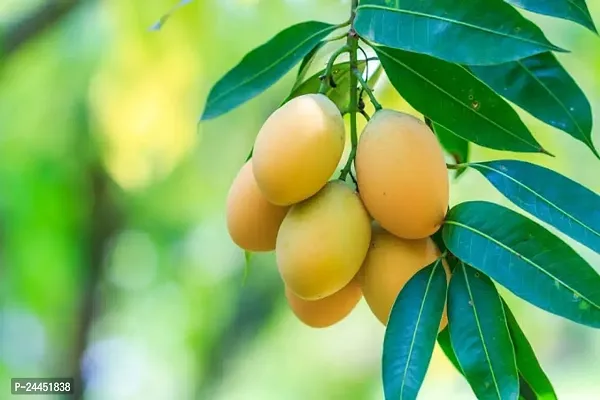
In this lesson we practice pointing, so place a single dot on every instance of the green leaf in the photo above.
(446, 345)
(264, 66)
(525, 390)
(525, 258)
(474, 32)
(411, 332)
(480, 336)
(248, 261)
(457, 147)
(307, 62)
(529, 367)
(340, 95)
(553, 198)
(572, 10)
(541, 86)
(456, 100)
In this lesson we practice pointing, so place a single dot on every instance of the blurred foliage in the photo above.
(115, 263)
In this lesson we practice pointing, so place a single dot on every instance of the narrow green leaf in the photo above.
(572, 10)
(446, 345)
(307, 62)
(248, 260)
(264, 66)
(529, 367)
(411, 332)
(541, 86)
(474, 32)
(163, 20)
(480, 336)
(456, 100)
(525, 390)
(525, 258)
(340, 95)
(553, 198)
(456, 146)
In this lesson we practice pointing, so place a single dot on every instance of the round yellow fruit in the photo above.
(327, 311)
(323, 241)
(298, 149)
(389, 264)
(252, 221)
(402, 176)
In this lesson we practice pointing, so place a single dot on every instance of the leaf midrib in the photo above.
(586, 140)
(478, 323)
(270, 66)
(457, 22)
(539, 196)
(522, 257)
(412, 342)
(585, 14)
(484, 117)
(513, 326)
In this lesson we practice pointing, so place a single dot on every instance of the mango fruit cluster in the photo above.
(333, 244)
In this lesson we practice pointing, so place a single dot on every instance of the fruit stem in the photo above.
(338, 37)
(363, 83)
(352, 44)
(456, 166)
(327, 77)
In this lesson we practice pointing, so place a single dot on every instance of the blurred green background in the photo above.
(115, 263)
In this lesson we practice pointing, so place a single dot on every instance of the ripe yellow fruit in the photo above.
(389, 264)
(323, 241)
(402, 176)
(298, 149)
(327, 311)
(252, 221)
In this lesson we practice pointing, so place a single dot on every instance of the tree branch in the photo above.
(34, 23)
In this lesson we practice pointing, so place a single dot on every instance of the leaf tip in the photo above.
(207, 115)
(560, 49)
(546, 152)
(591, 146)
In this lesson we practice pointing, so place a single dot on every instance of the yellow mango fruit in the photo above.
(252, 221)
(390, 263)
(402, 175)
(328, 310)
(298, 149)
(323, 241)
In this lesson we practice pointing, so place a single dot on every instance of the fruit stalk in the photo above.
(365, 85)
(352, 44)
(327, 76)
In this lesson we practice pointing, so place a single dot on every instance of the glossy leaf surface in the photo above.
(456, 100)
(474, 32)
(411, 332)
(480, 336)
(525, 258)
(264, 66)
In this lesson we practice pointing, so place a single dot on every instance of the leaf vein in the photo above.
(478, 323)
(522, 257)
(540, 197)
(455, 21)
(560, 103)
(412, 342)
(379, 49)
(272, 65)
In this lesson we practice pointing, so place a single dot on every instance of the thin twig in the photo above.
(31, 25)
